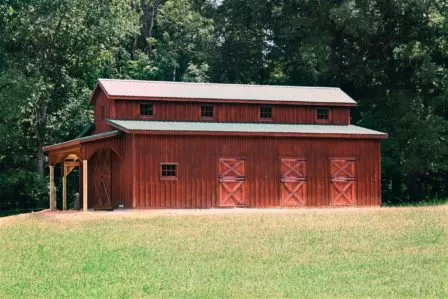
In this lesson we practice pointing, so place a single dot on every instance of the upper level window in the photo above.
(266, 112)
(322, 114)
(168, 171)
(146, 109)
(207, 111)
(103, 112)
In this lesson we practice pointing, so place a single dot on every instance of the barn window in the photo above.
(322, 114)
(266, 112)
(146, 109)
(168, 171)
(207, 111)
(103, 112)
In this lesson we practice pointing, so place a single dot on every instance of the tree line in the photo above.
(391, 56)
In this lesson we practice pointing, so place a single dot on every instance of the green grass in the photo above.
(389, 252)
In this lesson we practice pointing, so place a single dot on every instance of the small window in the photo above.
(266, 112)
(146, 109)
(207, 111)
(322, 114)
(103, 112)
(168, 171)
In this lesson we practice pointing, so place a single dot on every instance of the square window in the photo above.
(168, 170)
(146, 109)
(322, 114)
(266, 112)
(207, 111)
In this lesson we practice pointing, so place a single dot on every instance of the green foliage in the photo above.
(21, 192)
(183, 43)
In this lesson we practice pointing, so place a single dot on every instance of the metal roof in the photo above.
(215, 91)
(80, 140)
(135, 126)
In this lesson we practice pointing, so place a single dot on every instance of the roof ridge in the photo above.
(214, 83)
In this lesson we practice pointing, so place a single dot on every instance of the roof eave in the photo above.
(237, 101)
(258, 134)
(248, 134)
(98, 85)
(78, 141)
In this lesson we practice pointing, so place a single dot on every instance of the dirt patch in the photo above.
(68, 216)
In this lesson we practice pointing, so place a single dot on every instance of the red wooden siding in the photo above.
(102, 174)
(121, 169)
(197, 185)
(103, 110)
(181, 111)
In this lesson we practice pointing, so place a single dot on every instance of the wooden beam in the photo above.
(71, 163)
(84, 186)
(64, 188)
(52, 197)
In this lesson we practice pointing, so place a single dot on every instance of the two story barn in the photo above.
(202, 145)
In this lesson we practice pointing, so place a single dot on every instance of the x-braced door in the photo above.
(102, 174)
(293, 182)
(343, 181)
(231, 176)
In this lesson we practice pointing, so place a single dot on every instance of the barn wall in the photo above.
(197, 185)
(121, 167)
(181, 111)
(100, 123)
(122, 173)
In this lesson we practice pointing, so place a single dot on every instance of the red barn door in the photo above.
(231, 175)
(343, 182)
(102, 174)
(293, 182)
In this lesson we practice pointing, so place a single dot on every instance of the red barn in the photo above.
(203, 145)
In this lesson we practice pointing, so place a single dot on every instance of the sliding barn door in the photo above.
(231, 176)
(293, 182)
(343, 181)
(102, 173)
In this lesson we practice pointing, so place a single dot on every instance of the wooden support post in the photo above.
(52, 197)
(84, 186)
(64, 187)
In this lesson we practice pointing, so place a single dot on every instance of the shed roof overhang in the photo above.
(223, 93)
(244, 129)
(60, 151)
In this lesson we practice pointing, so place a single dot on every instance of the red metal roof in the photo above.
(226, 92)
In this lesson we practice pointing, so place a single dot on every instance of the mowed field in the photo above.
(371, 252)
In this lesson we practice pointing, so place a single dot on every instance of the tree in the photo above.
(392, 56)
(183, 44)
(57, 49)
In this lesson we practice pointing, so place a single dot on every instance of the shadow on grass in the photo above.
(419, 203)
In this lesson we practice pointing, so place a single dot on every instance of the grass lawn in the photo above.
(388, 252)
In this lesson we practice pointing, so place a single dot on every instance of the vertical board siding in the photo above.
(197, 158)
(181, 111)
(100, 124)
(121, 192)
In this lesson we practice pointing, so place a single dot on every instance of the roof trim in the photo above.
(98, 85)
(119, 125)
(79, 141)
(231, 101)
